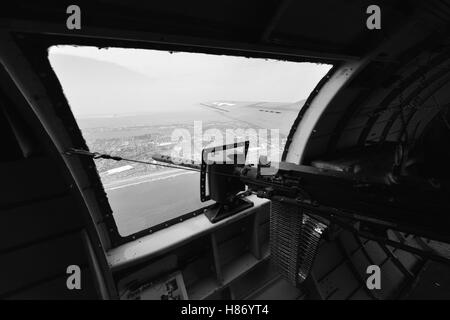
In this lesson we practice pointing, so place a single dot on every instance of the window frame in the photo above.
(35, 47)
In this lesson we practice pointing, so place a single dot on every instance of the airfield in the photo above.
(146, 201)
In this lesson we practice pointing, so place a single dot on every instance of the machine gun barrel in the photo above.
(176, 161)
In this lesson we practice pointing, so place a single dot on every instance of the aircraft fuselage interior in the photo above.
(356, 206)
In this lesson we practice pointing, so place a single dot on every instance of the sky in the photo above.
(116, 81)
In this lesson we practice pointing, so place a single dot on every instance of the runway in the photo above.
(145, 201)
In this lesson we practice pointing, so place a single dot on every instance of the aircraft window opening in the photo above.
(135, 103)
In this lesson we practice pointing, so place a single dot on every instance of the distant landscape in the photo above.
(139, 137)
(140, 194)
(127, 102)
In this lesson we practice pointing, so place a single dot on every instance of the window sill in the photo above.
(166, 239)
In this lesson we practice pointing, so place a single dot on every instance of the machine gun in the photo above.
(306, 201)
